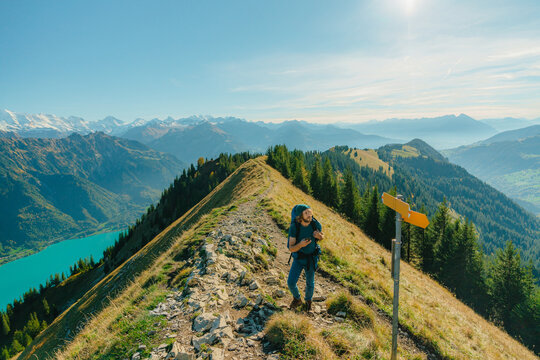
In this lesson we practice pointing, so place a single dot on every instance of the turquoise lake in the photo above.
(19, 276)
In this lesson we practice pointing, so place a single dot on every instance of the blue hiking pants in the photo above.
(294, 274)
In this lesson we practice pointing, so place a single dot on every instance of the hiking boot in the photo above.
(295, 303)
(308, 306)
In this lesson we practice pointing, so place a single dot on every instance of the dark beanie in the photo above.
(299, 209)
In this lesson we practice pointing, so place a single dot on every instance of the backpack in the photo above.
(294, 223)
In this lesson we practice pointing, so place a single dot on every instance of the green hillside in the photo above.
(510, 162)
(58, 294)
(55, 189)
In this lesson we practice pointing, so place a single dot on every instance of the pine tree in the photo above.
(4, 355)
(372, 215)
(27, 340)
(315, 179)
(510, 285)
(416, 242)
(46, 307)
(300, 177)
(446, 255)
(424, 247)
(270, 160)
(16, 347)
(439, 233)
(329, 186)
(387, 224)
(350, 198)
(406, 241)
(282, 160)
(19, 336)
(364, 204)
(33, 327)
(5, 325)
(470, 273)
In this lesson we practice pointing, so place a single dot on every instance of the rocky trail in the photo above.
(239, 280)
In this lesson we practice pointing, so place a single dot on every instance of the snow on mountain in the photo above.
(41, 125)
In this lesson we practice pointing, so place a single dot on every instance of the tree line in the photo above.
(501, 288)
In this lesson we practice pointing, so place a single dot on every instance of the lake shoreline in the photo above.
(31, 251)
(22, 275)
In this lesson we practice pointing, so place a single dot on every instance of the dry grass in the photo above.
(297, 338)
(406, 151)
(370, 158)
(354, 309)
(430, 312)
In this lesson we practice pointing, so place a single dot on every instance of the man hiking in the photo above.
(304, 232)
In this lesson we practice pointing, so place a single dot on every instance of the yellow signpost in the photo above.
(401, 207)
(403, 212)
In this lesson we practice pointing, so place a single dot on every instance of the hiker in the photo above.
(305, 252)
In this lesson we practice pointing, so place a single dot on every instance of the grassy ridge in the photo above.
(428, 311)
(119, 287)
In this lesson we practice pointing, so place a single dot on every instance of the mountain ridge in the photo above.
(137, 283)
(442, 131)
(508, 162)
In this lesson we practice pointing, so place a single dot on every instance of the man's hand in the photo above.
(318, 235)
(304, 242)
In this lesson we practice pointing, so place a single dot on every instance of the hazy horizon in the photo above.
(180, 117)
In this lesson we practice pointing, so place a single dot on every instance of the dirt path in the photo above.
(235, 287)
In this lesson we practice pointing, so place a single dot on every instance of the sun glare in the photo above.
(409, 6)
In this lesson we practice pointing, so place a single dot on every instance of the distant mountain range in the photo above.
(196, 136)
(509, 161)
(510, 123)
(207, 136)
(54, 189)
(440, 132)
(513, 135)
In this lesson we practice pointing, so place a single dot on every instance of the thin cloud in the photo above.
(456, 76)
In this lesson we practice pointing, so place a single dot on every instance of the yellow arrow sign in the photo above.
(412, 217)
(417, 219)
(396, 204)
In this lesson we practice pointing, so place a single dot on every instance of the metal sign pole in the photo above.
(403, 213)
(396, 256)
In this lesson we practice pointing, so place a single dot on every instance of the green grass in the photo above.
(281, 222)
(270, 250)
(261, 260)
(132, 334)
(356, 311)
(290, 339)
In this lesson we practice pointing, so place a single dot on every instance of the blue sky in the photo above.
(321, 61)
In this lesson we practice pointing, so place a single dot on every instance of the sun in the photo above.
(409, 6)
